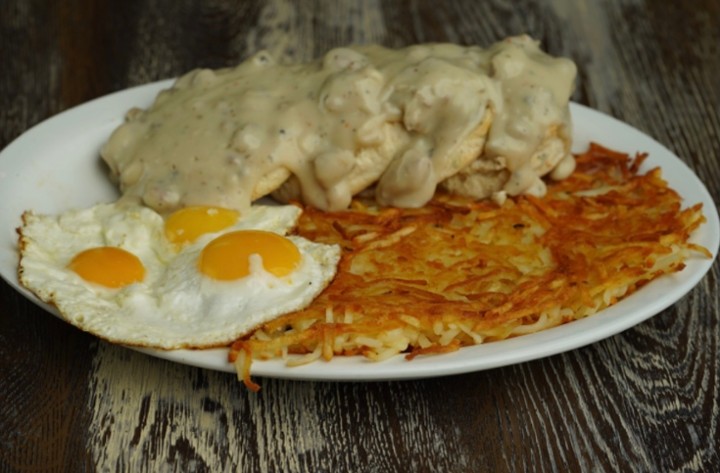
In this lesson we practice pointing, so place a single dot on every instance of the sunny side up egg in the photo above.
(200, 278)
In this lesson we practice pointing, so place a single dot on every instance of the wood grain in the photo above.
(645, 400)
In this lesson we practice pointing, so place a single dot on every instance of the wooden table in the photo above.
(647, 399)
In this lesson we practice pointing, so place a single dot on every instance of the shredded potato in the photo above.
(458, 272)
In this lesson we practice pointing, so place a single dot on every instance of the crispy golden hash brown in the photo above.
(458, 272)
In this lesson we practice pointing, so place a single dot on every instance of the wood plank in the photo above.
(645, 400)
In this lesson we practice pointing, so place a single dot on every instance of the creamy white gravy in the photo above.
(398, 121)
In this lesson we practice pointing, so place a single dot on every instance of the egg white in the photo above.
(175, 306)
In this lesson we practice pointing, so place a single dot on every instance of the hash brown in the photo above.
(459, 272)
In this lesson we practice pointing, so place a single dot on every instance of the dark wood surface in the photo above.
(644, 400)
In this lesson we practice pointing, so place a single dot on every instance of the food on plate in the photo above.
(435, 204)
(396, 123)
(460, 272)
(200, 278)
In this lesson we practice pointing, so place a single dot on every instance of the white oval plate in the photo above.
(55, 166)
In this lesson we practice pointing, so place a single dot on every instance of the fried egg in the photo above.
(199, 278)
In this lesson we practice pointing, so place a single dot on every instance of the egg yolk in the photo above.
(108, 266)
(186, 225)
(228, 256)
